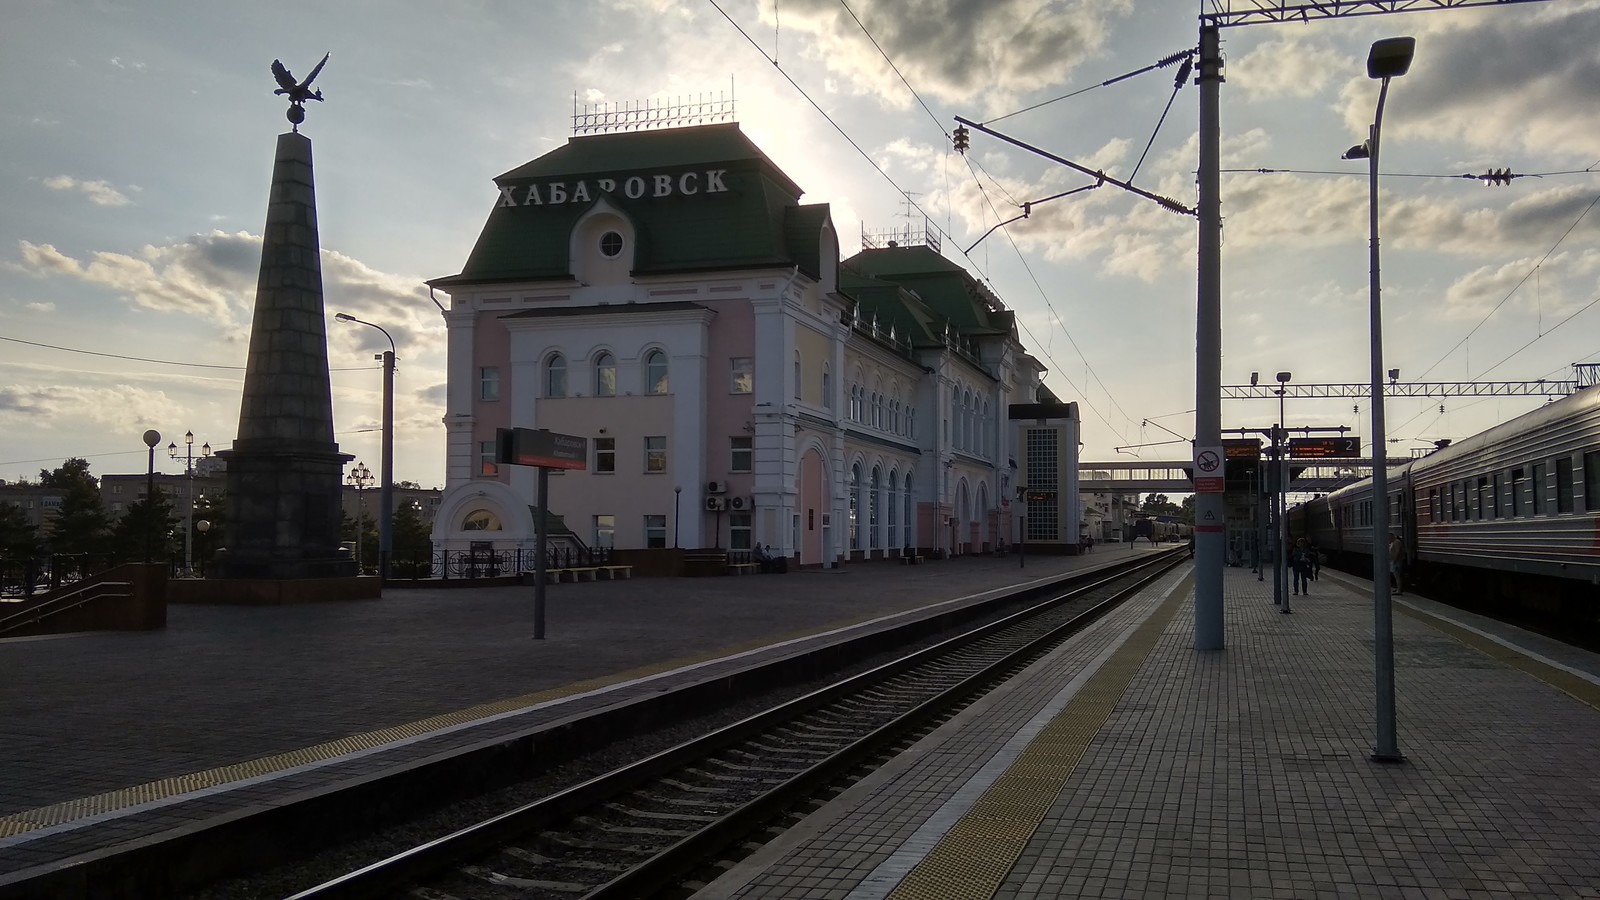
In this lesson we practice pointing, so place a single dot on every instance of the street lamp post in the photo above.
(151, 439)
(1389, 58)
(361, 478)
(1282, 497)
(188, 513)
(386, 486)
(203, 526)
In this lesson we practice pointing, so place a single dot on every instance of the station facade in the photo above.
(667, 296)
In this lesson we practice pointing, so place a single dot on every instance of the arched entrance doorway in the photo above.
(814, 494)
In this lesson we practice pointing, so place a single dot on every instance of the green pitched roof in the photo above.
(756, 221)
(943, 286)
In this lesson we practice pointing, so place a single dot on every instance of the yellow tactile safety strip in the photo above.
(977, 853)
(111, 801)
(1584, 690)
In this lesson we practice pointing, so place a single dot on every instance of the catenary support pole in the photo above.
(1208, 507)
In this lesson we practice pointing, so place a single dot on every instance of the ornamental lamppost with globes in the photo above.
(1281, 501)
(151, 439)
(361, 478)
(188, 512)
(1389, 58)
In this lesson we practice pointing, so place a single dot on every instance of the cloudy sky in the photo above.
(139, 138)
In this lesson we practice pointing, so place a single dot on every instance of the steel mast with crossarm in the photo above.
(1214, 16)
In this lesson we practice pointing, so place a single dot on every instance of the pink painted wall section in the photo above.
(491, 346)
(732, 334)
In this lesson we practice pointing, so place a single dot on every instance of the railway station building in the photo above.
(666, 295)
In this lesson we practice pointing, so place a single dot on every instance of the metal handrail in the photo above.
(53, 605)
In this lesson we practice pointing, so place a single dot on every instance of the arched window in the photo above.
(481, 520)
(966, 420)
(655, 372)
(874, 502)
(911, 423)
(986, 438)
(892, 505)
(555, 376)
(954, 435)
(605, 375)
(855, 506)
(797, 381)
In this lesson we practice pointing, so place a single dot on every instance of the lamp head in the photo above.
(1283, 377)
(188, 437)
(152, 438)
(1359, 151)
(1390, 57)
(1254, 377)
(344, 317)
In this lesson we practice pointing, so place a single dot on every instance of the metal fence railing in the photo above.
(453, 564)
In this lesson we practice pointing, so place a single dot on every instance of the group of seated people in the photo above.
(762, 556)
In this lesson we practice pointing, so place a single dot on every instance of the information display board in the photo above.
(1325, 448)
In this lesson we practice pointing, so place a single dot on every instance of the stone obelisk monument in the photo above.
(285, 471)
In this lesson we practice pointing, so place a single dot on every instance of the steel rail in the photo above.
(395, 873)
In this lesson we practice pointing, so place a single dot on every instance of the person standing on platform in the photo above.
(1397, 564)
(1304, 563)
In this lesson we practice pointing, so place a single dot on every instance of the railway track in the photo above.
(636, 831)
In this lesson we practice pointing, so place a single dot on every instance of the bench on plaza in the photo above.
(744, 568)
(616, 572)
(910, 559)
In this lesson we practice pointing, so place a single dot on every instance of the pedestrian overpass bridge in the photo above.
(1172, 476)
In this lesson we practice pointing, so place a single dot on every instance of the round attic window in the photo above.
(610, 244)
(481, 520)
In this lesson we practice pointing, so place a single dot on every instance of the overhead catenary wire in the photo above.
(1184, 55)
(163, 362)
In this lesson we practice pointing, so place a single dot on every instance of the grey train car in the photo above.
(1511, 515)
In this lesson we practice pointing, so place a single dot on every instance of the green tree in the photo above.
(147, 519)
(1158, 505)
(18, 536)
(368, 539)
(412, 541)
(1186, 514)
(81, 524)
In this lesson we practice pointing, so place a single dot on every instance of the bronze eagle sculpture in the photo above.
(298, 93)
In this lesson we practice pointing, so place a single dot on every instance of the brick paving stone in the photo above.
(1246, 772)
(90, 713)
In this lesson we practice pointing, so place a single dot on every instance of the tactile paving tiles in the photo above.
(978, 852)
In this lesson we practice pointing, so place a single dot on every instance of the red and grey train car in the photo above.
(1510, 515)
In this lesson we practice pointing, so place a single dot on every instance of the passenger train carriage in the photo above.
(1514, 511)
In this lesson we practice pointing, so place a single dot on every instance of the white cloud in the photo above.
(42, 307)
(989, 53)
(1290, 67)
(120, 407)
(100, 193)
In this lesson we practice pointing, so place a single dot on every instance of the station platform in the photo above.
(111, 739)
(1126, 764)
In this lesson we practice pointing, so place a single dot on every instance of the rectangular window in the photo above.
(489, 383)
(742, 375)
(1494, 497)
(655, 532)
(486, 464)
(605, 532)
(1480, 499)
(605, 454)
(1537, 503)
(742, 456)
(1591, 480)
(1433, 505)
(739, 531)
(1563, 484)
(1518, 477)
(655, 454)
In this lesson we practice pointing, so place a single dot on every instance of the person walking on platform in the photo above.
(1304, 562)
(1397, 564)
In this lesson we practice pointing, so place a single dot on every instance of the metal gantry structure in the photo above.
(1215, 15)
(1405, 389)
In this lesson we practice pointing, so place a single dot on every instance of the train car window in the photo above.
(1537, 504)
(1591, 480)
(1563, 484)
(1517, 477)
(1494, 498)
(1480, 499)
(1433, 505)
